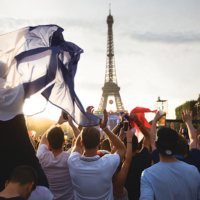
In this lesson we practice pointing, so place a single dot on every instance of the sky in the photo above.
(156, 45)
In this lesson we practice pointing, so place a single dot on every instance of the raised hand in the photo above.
(159, 114)
(122, 117)
(103, 123)
(187, 115)
(122, 133)
(62, 120)
(90, 109)
(134, 117)
(129, 135)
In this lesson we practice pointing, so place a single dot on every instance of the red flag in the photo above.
(139, 111)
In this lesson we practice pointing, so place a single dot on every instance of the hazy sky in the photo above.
(156, 44)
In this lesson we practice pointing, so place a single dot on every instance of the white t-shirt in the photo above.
(41, 193)
(57, 172)
(92, 176)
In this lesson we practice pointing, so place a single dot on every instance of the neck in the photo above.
(56, 152)
(133, 153)
(167, 159)
(12, 190)
(91, 152)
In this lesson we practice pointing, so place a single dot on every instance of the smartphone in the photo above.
(65, 115)
(126, 124)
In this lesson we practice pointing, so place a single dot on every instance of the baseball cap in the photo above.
(167, 142)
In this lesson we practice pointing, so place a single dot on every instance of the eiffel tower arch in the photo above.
(111, 87)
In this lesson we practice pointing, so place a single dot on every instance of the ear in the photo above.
(82, 142)
(30, 186)
(6, 183)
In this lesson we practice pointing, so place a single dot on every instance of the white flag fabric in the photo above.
(38, 61)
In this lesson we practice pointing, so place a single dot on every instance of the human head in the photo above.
(167, 143)
(90, 138)
(25, 177)
(134, 143)
(105, 145)
(55, 137)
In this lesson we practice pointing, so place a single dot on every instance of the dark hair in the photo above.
(105, 145)
(55, 137)
(182, 145)
(134, 143)
(90, 137)
(23, 175)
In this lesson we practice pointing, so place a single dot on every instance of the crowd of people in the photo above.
(91, 167)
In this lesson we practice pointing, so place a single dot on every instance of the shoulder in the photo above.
(74, 156)
(43, 149)
(41, 193)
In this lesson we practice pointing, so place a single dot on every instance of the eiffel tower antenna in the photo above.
(111, 87)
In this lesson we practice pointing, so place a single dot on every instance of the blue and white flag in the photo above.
(38, 61)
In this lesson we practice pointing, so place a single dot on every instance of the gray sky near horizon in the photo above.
(156, 44)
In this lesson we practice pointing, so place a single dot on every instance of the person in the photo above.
(16, 150)
(91, 174)
(21, 183)
(169, 178)
(139, 162)
(54, 162)
(119, 191)
(193, 157)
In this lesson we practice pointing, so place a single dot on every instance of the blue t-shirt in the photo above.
(166, 181)
(193, 158)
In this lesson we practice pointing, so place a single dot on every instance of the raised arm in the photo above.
(187, 118)
(153, 130)
(120, 148)
(78, 147)
(74, 128)
(144, 131)
(120, 125)
(121, 176)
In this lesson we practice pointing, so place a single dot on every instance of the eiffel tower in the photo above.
(111, 87)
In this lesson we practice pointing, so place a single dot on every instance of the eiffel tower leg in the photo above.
(103, 102)
(118, 101)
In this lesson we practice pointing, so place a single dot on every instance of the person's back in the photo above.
(91, 176)
(57, 172)
(139, 163)
(54, 162)
(175, 180)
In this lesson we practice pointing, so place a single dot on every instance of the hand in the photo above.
(134, 117)
(129, 135)
(90, 109)
(122, 117)
(159, 114)
(103, 123)
(181, 126)
(122, 133)
(62, 120)
(187, 115)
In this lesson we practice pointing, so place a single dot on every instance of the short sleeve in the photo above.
(114, 160)
(41, 193)
(146, 190)
(42, 150)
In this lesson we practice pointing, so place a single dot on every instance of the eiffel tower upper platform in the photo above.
(111, 87)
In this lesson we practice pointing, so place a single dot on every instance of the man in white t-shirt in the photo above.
(54, 162)
(90, 174)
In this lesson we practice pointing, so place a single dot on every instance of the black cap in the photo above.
(167, 143)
